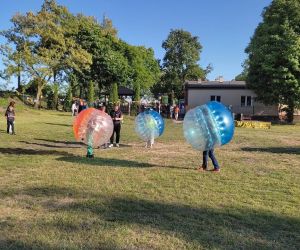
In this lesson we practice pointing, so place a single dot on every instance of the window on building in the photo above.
(246, 101)
(215, 98)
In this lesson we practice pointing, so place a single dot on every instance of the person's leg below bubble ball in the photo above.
(90, 153)
(214, 161)
(204, 161)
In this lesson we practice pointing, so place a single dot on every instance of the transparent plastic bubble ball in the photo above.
(149, 125)
(208, 126)
(93, 127)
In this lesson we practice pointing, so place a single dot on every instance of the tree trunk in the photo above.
(37, 104)
(80, 92)
(290, 112)
(19, 82)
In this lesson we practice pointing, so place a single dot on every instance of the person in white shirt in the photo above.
(74, 109)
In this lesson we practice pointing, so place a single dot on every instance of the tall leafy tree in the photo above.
(144, 70)
(108, 62)
(114, 96)
(55, 90)
(244, 74)
(137, 92)
(274, 56)
(91, 93)
(48, 48)
(180, 62)
(68, 99)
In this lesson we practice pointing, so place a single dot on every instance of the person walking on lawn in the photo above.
(210, 154)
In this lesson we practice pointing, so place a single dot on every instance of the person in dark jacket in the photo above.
(117, 117)
(10, 117)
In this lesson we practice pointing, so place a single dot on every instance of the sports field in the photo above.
(52, 197)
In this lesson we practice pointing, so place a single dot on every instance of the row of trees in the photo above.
(272, 68)
(47, 49)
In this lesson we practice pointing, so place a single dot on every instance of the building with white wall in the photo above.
(233, 94)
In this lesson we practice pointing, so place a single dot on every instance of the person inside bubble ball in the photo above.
(151, 124)
(117, 117)
(211, 155)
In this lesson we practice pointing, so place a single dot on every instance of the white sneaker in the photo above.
(117, 145)
(111, 145)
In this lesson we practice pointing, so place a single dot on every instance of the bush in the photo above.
(134, 108)
(114, 96)
(68, 100)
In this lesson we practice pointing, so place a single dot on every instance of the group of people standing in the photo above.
(78, 106)
(174, 112)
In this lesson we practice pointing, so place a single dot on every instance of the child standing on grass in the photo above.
(10, 117)
(210, 154)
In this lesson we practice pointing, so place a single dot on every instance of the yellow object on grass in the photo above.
(253, 124)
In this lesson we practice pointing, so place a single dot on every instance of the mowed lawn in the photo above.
(52, 197)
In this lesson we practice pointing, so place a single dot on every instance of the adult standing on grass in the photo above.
(10, 116)
(117, 117)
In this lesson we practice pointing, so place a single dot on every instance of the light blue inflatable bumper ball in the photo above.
(149, 125)
(208, 126)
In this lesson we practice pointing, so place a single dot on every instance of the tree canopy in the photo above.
(274, 56)
(180, 62)
(41, 45)
(54, 46)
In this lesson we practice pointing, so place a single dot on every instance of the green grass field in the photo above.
(52, 197)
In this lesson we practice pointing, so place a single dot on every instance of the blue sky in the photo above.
(224, 27)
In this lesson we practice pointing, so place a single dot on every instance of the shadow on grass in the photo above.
(53, 191)
(74, 143)
(227, 227)
(220, 228)
(113, 162)
(58, 124)
(51, 145)
(24, 151)
(125, 145)
(274, 150)
(62, 114)
(19, 244)
(60, 142)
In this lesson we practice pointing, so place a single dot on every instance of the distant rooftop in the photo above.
(216, 84)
